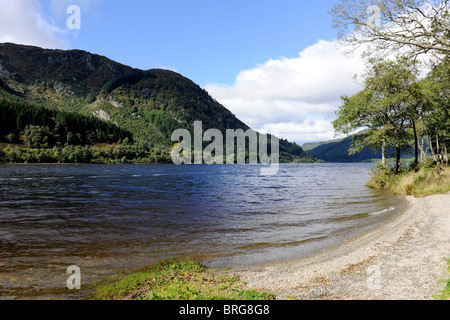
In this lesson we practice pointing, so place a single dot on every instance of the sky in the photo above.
(275, 64)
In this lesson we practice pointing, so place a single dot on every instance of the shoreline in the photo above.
(403, 258)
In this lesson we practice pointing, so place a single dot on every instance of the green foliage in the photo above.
(11, 138)
(445, 294)
(44, 127)
(162, 121)
(424, 181)
(419, 181)
(176, 280)
(114, 154)
(386, 107)
(382, 177)
(398, 111)
(435, 91)
(36, 136)
(129, 79)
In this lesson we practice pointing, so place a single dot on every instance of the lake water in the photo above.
(111, 218)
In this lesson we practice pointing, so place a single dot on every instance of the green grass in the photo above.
(426, 181)
(445, 294)
(176, 280)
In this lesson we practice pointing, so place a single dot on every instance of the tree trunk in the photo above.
(421, 147)
(383, 154)
(398, 153)
(416, 145)
(444, 148)
(430, 142)
(438, 150)
(445, 153)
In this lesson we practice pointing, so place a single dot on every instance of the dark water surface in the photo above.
(111, 218)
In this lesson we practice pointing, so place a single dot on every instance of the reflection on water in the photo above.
(111, 218)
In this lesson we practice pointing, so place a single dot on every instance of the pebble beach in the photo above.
(404, 258)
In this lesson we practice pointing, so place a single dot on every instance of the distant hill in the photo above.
(337, 151)
(150, 104)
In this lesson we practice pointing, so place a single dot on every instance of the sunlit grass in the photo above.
(445, 294)
(176, 280)
(428, 180)
(425, 182)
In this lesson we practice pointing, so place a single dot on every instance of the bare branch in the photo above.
(420, 26)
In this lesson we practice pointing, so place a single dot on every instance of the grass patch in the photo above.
(445, 295)
(176, 280)
(425, 181)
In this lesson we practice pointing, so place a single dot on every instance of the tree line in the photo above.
(111, 154)
(40, 127)
(33, 134)
(400, 110)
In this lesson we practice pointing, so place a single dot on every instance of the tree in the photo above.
(358, 112)
(383, 107)
(36, 136)
(11, 137)
(420, 26)
(436, 110)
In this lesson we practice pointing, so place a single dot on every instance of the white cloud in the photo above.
(59, 7)
(308, 130)
(296, 96)
(23, 22)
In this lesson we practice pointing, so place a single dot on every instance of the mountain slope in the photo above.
(150, 104)
(337, 151)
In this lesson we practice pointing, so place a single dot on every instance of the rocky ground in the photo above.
(403, 259)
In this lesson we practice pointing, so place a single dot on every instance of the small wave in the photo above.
(383, 211)
(36, 178)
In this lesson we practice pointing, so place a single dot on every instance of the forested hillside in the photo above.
(148, 104)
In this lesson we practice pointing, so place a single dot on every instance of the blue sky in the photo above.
(274, 64)
(205, 40)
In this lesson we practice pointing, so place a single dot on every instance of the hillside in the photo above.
(337, 151)
(150, 104)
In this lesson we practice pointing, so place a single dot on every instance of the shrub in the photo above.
(381, 177)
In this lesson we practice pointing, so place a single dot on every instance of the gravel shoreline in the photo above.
(402, 259)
